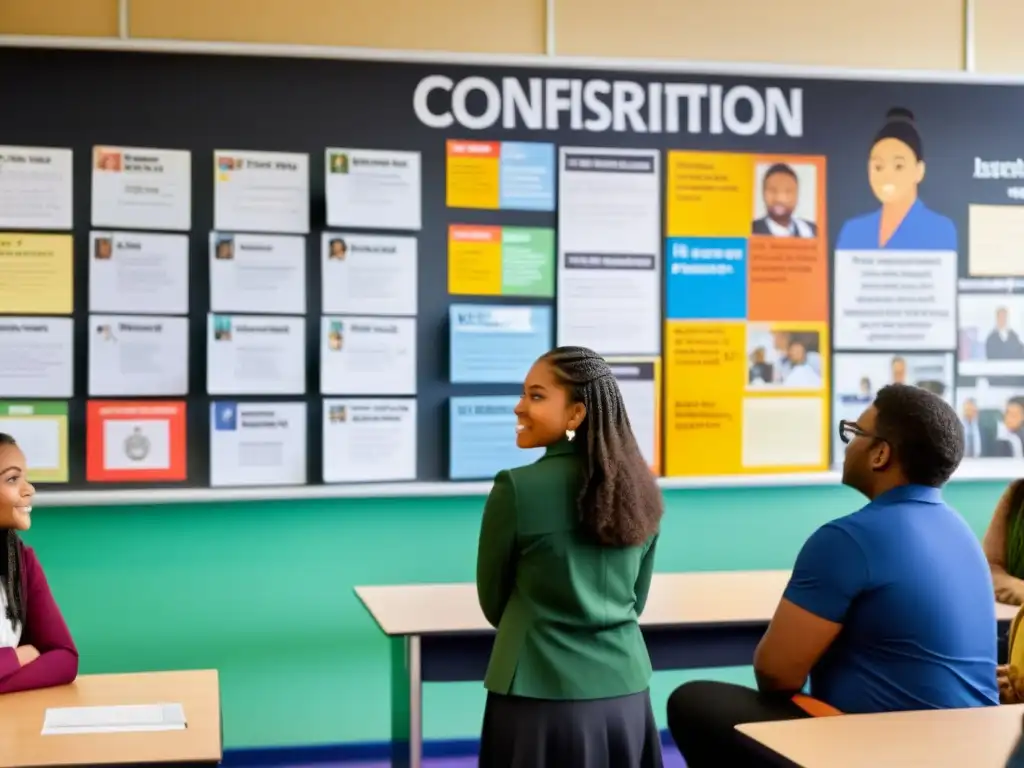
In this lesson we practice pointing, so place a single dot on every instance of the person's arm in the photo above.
(495, 559)
(643, 578)
(1008, 589)
(45, 629)
(830, 572)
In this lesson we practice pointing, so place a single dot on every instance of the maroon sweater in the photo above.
(45, 629)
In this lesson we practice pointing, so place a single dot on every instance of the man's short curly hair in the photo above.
(923, 430)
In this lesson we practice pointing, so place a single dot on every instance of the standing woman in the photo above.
(36, 650)
(1004, 545)
(564, 566)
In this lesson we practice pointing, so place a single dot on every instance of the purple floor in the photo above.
(672, 760)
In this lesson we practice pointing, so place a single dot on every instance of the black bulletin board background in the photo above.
(78, 99)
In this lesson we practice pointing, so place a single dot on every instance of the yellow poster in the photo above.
(474, 260)
(473, 174)
(709, 194)
(41, 430)
(36, 274)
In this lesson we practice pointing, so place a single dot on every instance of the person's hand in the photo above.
(26, 654)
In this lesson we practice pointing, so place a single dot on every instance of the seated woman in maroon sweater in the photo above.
(36, 649)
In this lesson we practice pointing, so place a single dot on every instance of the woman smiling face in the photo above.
(894, 172)
(15, 490)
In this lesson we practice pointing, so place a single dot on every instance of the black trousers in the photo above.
(703, 716)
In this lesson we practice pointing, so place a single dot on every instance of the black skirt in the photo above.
(597, 733)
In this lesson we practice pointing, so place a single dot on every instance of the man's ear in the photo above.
(881, 455)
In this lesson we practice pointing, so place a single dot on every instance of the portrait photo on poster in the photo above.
(785, 200)
(989, 342)
(993, 419)
(783, 358)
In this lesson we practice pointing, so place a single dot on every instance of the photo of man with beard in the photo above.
(780, 191)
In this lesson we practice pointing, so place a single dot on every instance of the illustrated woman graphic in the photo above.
(896, 169)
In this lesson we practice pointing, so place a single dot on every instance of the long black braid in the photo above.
(619, 501)
(10, 566)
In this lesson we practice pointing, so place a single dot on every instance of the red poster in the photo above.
(135, 441)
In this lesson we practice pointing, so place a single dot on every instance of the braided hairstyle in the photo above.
(619, 502)
(10, 563)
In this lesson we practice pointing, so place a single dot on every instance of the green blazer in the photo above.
(565, 608)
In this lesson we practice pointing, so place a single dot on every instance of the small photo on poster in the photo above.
(257, 444)
(135, 441)
(991, 327)
(993, 420)
(369, 440)
(784, 357)
(785, 200)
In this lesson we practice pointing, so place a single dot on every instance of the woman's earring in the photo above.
(570, 435)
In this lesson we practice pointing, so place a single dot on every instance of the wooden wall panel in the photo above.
(889, 34)
(71, 18)
(997, 36)
(479, 26)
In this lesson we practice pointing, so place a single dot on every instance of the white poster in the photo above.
(38, 357)
(258, 273)
(255, 355)
(35, 188)
(369, 441)
(369, 274)
(257, 443)
(368, 356)
(138, 273)
(639, 383)
(373, 189)
(261, 191)
(609, 250)
(138, 188)
(143, 356)
(895, 300)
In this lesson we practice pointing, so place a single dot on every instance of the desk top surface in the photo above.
(21, 722)
(711, 597)
(951, 738)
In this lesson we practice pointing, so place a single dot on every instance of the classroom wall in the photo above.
(263, 591)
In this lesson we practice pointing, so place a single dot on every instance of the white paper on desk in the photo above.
(120, 719)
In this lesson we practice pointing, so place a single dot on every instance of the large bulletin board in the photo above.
(227, 271)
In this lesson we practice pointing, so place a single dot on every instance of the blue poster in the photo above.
(707, 278)
(482, 438)
(497, 344)
(527, 176)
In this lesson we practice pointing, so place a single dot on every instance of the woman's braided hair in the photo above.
(10, 566)
(619, 502)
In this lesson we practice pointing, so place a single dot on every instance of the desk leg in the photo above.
(406, 703)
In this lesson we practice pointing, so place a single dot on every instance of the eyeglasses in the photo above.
(849, 430)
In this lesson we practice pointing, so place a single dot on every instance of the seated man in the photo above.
(889, 608)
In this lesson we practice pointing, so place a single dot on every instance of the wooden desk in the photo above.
(439, 634)
(21, 721)
(951, 738)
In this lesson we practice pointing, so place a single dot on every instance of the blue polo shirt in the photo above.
(907, 579)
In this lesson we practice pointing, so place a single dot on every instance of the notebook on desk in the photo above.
(131, 718)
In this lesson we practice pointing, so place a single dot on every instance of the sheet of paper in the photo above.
(257, 443)
(36, 274)
(38, 355)
(373, 189)
(368, 355)
(255, 355)
(369, 274)
(135, 441)
(131, 718)
(142, 188)
(35, 188)
(609, 250)
(258, 273)
(497, 344)
(41, 431)
(639, 381)
(510, 175)
(138, 356)
(482, 437)
(261, 191)
(369, 440)
(138, 273)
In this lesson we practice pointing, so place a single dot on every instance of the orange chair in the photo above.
(814, 707)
